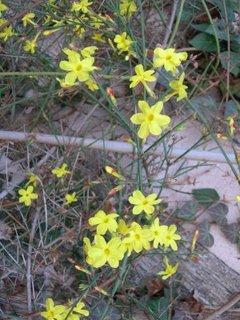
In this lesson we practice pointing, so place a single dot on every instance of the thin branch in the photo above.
(224, 308)
(170, 23)
(112, 146)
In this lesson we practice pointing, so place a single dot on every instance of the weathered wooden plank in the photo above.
(211, 280)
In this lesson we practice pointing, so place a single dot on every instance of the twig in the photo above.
(224, 308)
(113, 146)
(170, 23)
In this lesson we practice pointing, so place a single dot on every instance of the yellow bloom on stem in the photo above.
(170, 237)
(77, 68)
(52, 312)
(92, 85)
(127, 7)
(71, 198)
(168, 58)
(102, 252)
(123, 42)
(27, 19)
(79, 309)
(98, 37)
(27, 195)
(142, 77)
(30, 46)
(169, 270)
(238, 198)
(122, 227)
(114, 173)
(88, 52)
(3, 7)
(178, 88)
(81, 5)
(143, 203)
(61, 171)
(158, 233)
(98, 21)
(231, 125)
(104, 222)
(33, 178)
(138, 239)
(150, 119)
(6, 33)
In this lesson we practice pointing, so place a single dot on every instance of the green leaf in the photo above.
(204, 42)
(218, 213)
(187, 212)
(232, 232)
(205, 196)
(229, 8)
(234, 59)
(206, 106)
(158, 307)
(205, 237)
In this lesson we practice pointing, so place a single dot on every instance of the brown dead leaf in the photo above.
(154, 286)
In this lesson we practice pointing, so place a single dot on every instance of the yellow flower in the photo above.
(169, 270)
(98, 37)
(98, 21)
(27, 195)
(170, 237)
(142, 203)
(77, 68)
(81, 6)
(3, 7)
(33, 178)
(122, 227)
(27, 19)
(150, 119)
(105, 222)
(127, 7)
(178, 88)
(61, 171)
(114, 173)
(123, 42)
(103, 252)
(52, 312)
(30, 46)
(63, 83)
(6, 33)
(138, 239)
(92, 85)
(80, 31)
(238, 198)
(158, 233)
(231, 125)
(71, 198)
(80, 309)
(142, 77)
(168, 58)
(88, 52)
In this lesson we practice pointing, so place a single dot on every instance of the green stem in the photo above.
(214, 31)
(177, 23)
(30, 73)
(116, 286)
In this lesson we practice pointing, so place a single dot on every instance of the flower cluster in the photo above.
(115, 238)
(150, 119)
(28, 194)
(62, 312)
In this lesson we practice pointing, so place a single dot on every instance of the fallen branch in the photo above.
(113, 146)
